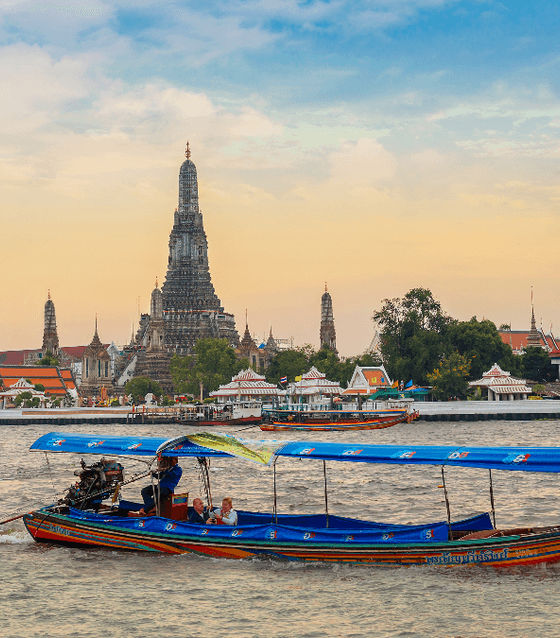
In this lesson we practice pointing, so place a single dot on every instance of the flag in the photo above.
(395, 384)
(409, 384)
(284, 380)
(298, 378)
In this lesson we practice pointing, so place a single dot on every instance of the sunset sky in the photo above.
(377, 146)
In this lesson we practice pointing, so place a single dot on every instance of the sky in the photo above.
(374, 145)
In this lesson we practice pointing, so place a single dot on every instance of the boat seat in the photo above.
(175, 507)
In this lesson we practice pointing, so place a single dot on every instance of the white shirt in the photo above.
(228, 519)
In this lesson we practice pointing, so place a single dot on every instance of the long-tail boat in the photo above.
(84, 522)
(335, 420)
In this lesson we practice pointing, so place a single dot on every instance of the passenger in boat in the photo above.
(224, 515)
(169, 474)
(199, 514)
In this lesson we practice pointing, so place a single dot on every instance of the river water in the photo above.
(58, 591)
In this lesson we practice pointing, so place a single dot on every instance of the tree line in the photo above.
(418, 342)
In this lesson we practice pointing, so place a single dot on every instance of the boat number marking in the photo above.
(351, 452)
(237, 532)
(204, 532)
(429, 533)
(404, 454)
(349, 538)
(272, 534)
(516, 458)
(170, 526)
(307, 450)
(141, 523)
(95, 443)
(458, 455)
(308, 535)
(388, 536)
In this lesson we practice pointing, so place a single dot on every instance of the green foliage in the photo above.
(139, 387)
(481, 343)
(539, 389)
(39, 387)
(450, 379)
(21, 398)
(413, 334)
(48, 359)
(536, 365)
(213, 363)
(288, 363)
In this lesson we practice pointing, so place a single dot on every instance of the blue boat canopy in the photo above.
(112, 445)
(531, 459)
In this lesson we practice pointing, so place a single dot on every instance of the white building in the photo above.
(247, 385)
(501, 386)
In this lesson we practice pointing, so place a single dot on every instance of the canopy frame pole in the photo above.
(206, 474)
(275, 498)
(492, 505)
(326, 492)
(449, 534)
(155, 491)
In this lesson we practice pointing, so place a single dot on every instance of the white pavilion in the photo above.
(247, 385)
(313, 388)
(501, 386)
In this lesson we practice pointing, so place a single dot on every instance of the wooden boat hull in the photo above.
(339, 426)
(174, 538)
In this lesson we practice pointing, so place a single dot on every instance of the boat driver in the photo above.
(168, 474)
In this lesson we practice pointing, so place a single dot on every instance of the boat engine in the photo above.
(97, 481)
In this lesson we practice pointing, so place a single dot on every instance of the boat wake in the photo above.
(15, 537)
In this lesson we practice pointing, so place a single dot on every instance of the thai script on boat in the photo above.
(473, 556)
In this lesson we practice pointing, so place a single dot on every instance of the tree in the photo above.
(413, 334)
(39, 387)
(482, 345)
(48, 359)
(213, 363)
(449, 379)
(22, 397)
(536, 365)
(287, 363)
(139, 387)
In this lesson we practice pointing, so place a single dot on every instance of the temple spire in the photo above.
(188, 151)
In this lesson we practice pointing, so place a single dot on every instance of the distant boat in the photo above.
(335, 420)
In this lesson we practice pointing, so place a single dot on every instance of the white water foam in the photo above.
(13, 537)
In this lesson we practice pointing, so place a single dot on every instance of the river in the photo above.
(57, 591)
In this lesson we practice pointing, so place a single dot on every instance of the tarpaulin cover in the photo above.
(269, 531)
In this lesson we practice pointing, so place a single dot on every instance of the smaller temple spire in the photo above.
(49, 294)
(188, 151)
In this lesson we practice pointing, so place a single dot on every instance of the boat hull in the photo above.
(45, 526)
(339, 426)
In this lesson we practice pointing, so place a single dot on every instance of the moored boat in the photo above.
(335, 420)
(472, 540)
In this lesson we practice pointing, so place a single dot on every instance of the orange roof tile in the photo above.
(48, 376)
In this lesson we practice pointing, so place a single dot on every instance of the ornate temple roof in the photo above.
(56, 381)
(314, 382)
(246, 382)
(501, 382)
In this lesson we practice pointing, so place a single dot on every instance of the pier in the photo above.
(488, 410)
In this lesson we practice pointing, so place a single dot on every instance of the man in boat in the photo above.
(168, 474)
(199, 514)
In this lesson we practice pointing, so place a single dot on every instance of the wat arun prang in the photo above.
(191, 308)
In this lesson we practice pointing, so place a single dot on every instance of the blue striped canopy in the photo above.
(112, 445)
(532, 459)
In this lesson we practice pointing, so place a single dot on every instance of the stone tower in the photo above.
(533, 338)
(328, 333)
(50, 336)
(153, 361)
(191, 308)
